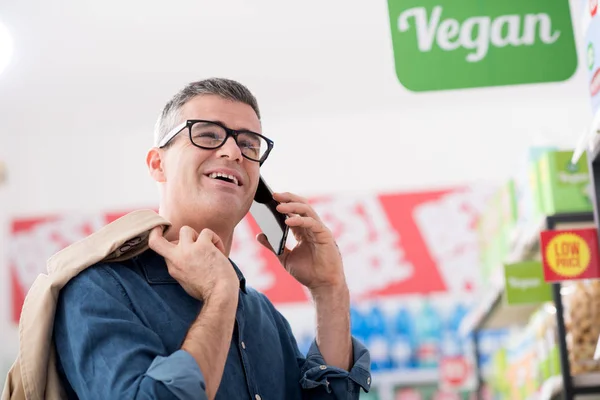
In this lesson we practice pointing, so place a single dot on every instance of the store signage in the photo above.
(383, 238)
(457, 44)
(570, 255)
(525, 283)
(592, 40)
(454, 372)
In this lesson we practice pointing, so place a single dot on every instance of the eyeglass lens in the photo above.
(210, 136)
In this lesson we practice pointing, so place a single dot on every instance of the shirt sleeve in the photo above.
(321, 381)
(342, 384)
(106, 352)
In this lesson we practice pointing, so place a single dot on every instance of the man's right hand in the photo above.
(196, 261)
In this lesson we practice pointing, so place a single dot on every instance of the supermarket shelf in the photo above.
(493, 311)
(552, 387)
(385, 383)
(584, 381)
(526, 243)
(589, 141)
(594, 150)
(594, 139)
(587, 383)
(404, 378)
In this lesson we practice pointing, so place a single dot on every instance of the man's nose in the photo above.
(230, 149)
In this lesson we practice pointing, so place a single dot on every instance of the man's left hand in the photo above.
(315, 261)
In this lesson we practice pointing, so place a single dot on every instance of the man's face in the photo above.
(187, 169)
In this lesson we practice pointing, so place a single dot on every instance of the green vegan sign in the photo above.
(453, 44)
(525, 283)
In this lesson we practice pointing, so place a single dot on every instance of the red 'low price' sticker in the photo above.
(570, 255)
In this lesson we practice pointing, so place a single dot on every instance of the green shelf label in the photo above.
(525, 283)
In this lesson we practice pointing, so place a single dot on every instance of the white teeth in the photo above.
(214, 175)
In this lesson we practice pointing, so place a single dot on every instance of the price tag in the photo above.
(570, 255)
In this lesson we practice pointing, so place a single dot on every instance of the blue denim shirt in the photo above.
(119, 327)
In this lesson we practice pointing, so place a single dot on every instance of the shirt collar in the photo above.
(155, 270)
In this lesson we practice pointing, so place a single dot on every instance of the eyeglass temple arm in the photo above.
(171, 134)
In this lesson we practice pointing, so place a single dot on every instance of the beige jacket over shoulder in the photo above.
(34, 376)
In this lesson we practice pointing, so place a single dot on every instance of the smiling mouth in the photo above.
(224, 177)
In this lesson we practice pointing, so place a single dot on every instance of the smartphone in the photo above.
(270, 221)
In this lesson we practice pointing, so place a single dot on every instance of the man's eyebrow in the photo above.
(224, 124)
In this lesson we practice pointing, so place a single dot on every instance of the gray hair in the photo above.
(226, 88)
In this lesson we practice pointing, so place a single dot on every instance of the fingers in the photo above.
(302, 209)
(212, 237)
(159, 244)
(289, 197)
(293, 204)
(262, 239)
(314, 226)
(187, 234)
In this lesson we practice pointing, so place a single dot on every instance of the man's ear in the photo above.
(154, 161)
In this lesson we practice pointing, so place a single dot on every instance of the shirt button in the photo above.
(244, 347)
(369, 381)
(323, 367)
(257, 397)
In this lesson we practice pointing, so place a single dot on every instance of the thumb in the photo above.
(212, 237)
(158, 243)
(262, 239)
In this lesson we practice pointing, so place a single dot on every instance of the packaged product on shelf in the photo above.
(543, 325)
(403, 393)
(522, 371)
(402, 339)
(541, 366)
(377, 340)
(358, 326)
(508, 208)
(490, 238)
(430, 392)
(549, 330)
(565, 187)
(582, 321)
(498, 378)
(490, 341)
(428, 334)
(372, 395)
(527, 358)
(527, 196)
(452, 344)
(592, 44)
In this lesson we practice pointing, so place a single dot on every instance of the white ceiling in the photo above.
(101, 62)
(93, 69)
(104, 61)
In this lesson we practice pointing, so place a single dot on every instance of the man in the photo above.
(178, 321)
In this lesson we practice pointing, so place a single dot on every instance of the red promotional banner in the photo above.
(407, 243)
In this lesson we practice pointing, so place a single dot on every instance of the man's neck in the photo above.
(198, 224)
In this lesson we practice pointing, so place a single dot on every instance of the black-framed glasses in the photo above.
(210, 135)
